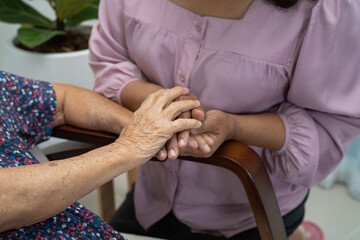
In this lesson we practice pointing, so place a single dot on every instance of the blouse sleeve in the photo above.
(109, 58)
(322, 115)
(28, 107)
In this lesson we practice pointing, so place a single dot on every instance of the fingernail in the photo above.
(172, 153)
(207, 148)
(181, 142)
(209, 139)
(162, 154)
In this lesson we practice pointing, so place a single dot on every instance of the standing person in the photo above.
(281, 76)
(37, 199)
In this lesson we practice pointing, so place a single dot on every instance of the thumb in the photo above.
(198, 113)
(199, 130)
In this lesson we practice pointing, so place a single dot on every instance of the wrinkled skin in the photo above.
(184, 139)
(155, 122)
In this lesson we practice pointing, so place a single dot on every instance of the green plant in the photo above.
(37, 29)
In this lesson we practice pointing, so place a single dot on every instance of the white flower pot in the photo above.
(71, 68)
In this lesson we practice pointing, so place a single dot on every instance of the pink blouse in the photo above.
(301, 63)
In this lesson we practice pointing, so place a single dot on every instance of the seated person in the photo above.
(38, 200)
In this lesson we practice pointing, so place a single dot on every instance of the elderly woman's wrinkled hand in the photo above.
(155, 122)
(183, 140)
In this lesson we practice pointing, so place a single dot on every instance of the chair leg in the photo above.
(131, 177)
(106, 199)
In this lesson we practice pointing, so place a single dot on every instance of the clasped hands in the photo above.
(172, 122)
(201, 142)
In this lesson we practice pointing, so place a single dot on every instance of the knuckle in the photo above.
(172, 107)
(175, 125)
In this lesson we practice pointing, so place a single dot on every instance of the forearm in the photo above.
(37, 192)
(134, 93)
(264, 130)
(84, 108)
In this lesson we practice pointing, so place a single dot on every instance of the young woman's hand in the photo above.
(155, 122)
(218, 126)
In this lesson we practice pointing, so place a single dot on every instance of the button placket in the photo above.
(193, 41)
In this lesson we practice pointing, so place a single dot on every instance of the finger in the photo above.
(165, 97)
(151, 99)
(192, 143)
(162, 154)
(172, 148)
(183, 137)
(176, 108)
(202, 143)
(186, 97)
(186, 114)
(200, 130)
(182, 124)
(190, 152)
(198, 113)
(209, 139)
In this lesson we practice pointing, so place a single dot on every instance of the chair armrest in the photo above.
(234, 156)
(83, 135)
(250, 169)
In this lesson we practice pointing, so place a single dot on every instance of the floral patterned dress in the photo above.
(27, 111)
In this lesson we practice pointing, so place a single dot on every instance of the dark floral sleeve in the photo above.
(29, 106)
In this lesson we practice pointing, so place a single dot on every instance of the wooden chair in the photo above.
(234, 156)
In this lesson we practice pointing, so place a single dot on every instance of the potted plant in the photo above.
(50, 49)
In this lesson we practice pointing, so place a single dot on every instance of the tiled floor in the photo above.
(333, 210)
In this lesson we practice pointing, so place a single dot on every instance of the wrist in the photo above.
(235, 129)
(131, 151)
(135, 92)
(124, 155)
(232, 127)
(122, 120)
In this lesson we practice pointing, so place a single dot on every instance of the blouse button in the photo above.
(182, 77)
(198, 27)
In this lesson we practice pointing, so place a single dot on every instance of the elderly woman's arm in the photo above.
(83, 108)
(36, 192)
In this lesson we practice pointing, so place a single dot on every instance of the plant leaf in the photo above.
(33, 37)
(87, 13)
(68, 8)
(16, 11)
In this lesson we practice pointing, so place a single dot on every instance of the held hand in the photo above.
(196, 113)
(218, 126)
(182, 139)
(153, 124)
(200, 142)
